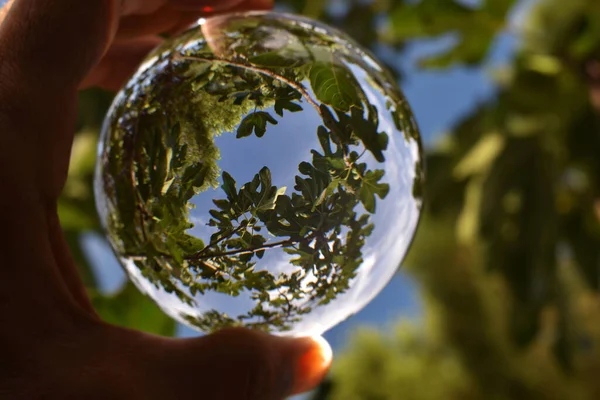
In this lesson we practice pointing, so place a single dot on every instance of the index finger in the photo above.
(171, 17)
(141, 7)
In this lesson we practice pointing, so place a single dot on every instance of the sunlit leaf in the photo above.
(371, 187)
(334, 85)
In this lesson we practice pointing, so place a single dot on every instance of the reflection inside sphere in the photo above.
(260, 170)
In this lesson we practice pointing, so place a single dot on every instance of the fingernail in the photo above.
(310, 367)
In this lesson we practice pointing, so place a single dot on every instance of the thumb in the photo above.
(245, 364)
(46, 49)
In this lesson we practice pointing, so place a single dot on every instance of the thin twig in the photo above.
(219, 240)
(243, 251)
(252, 250)
(263, 71)
(141, 257)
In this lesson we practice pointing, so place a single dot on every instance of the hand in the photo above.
(52, 343)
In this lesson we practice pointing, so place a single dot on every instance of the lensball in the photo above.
(260, 170)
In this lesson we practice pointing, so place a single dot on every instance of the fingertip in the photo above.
(243, 363)
(280, 366)
(311, 364)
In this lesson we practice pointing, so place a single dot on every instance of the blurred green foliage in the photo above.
(508, 253)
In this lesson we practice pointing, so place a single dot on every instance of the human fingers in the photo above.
(47, 47)
(119, 63)
(137, 36)
(142, 7)
(241, 364)
(177, 15)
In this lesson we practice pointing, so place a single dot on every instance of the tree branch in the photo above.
(251, 250)
(224, 237)
(283, 243)
(259, 70)
(142, 257)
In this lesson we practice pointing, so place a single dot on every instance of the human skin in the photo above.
(53, 345)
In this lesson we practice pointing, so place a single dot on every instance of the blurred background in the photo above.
(498, 297)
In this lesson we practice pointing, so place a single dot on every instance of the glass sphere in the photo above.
(260, 170)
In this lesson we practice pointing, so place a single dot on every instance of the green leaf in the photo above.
(229, 186)
(281, 104)
(275, 59)
(190, 244)
(193, 178)
(324, 139)
(246, 127)
(326, 193)
(175, 251)
(159, 174)
(334, 85)
(240, 97)
(366, 131)
(255, 122)
(222, 204)
(371, 187)
(167, 186)
(265, 178)
(266, 190)
(306, 187)
(270, 203)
